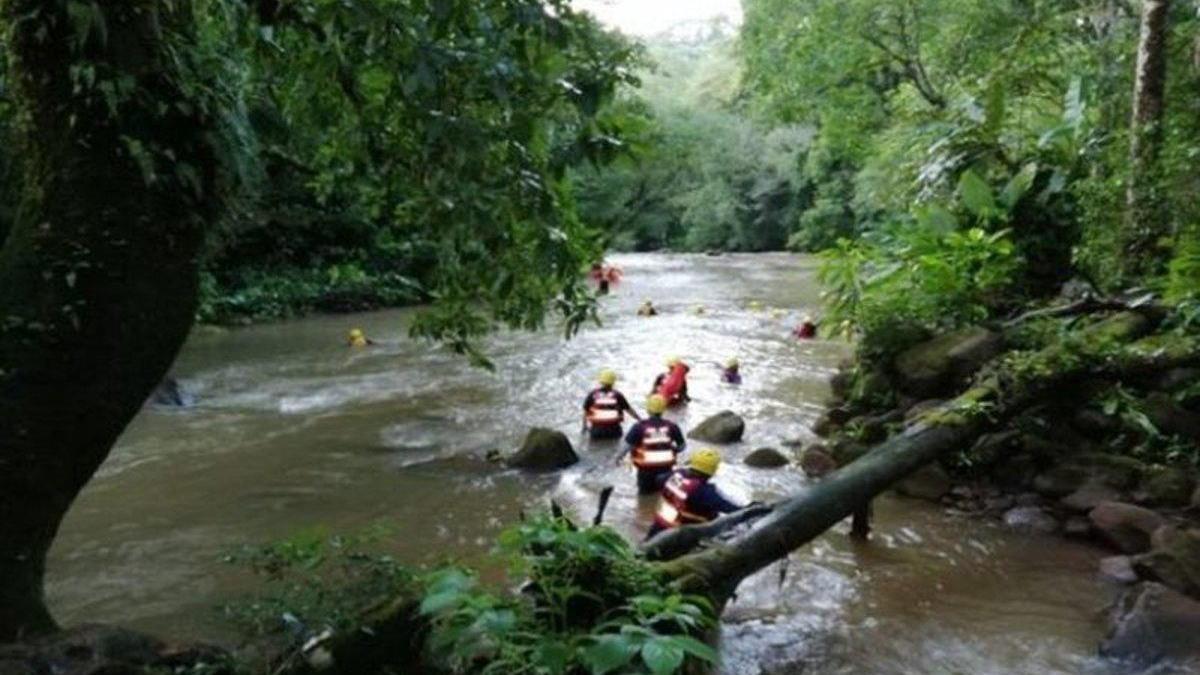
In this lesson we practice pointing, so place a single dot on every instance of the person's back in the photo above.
(604, 408)
(690, 497)
(653, 444)
(732, 374)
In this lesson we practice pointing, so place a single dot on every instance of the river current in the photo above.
(293, 430)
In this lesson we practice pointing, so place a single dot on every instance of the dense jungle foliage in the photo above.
(977, 154)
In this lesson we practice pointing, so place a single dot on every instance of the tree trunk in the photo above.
(98, 277)
(717, 571)
(1147, 219)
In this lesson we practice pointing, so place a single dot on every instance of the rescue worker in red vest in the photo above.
(604, 409)
(653, 444)
(689, 496)
(682, 395)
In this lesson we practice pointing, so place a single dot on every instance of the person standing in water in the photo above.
(689, 496)
(604, 408)
(731, 373)
(653, 444)
(647, 308)
(356, 338)
(672, 392)
(807, 329)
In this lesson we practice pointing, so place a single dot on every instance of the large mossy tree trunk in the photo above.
(1146, 216)
(1109, 349)
(98, 277)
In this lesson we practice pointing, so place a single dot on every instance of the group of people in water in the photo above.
(654, 443)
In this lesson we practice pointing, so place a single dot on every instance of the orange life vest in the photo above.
(657, 449)
(673, 508)
(605, 410)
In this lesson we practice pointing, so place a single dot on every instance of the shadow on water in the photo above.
(294, 430)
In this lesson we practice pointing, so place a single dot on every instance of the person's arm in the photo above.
(587, 405)
(632, 439)
(683, 392)
(657, 381)
(711, 499)
(678, 437)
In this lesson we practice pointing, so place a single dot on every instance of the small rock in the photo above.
(794, 443)
(1169, 418)
(930, 483)
(1077, 527)
(1174, 560)
(1125, 527)
(544, 450)
(1032, 519)
(964, 492)
(1118, 569)
(1060, 481)
(724, 427)
(1115, 471)
(999, 503)
(816, 462)
(846, 450)
(1088, 497)
(1151, 623)
(766, 458)
(1029, 499)
(1166, 486)
(832, 420)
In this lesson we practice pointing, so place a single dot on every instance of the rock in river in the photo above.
(1174, 560)
(1031, 519)
(1151, 623)
(766, 458)
(544, 450)
(1124, 526)
(930, 483)
(817, 462)
(724, 427)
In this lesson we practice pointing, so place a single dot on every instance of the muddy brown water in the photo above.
(293, 430)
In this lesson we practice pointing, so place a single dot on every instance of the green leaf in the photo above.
(976, 194)
(695, 648)
(662, 657)
(553, 656)
(1018, 185)
(608, 653)
(936, 218)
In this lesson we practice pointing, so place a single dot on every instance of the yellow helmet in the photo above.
(356, 334)
(608, 378)
(705, 460)
(755, 305)
(732, 363)
(656, 404)
(674, 361)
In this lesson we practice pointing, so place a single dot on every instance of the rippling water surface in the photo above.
(292, 430)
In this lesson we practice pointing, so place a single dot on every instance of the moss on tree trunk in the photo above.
(98, 278)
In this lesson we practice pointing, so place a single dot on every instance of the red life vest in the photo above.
(674, 509)
(605, 410)
(657, 449)
(671, 387)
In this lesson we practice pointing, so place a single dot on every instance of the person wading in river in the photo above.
(731, 374)
(604, 409)
(356, 338)
(672, 384)
(653, 444)
(689, 496)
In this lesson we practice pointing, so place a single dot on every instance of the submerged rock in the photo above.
(1118, 569)
(544, 450)
(817, 462)
(930, 483)
(933, 368)
(1031, 519)
(1151, 623)
(724, 427)
(1125, 527)
(1174, 560)
(766, 458)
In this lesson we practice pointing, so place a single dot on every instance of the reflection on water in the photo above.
(294, 430)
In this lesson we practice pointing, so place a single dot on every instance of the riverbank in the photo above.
(1109, 457)
(258, 296)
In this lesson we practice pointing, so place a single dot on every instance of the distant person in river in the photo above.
(653, 444)
(689, 496)
(806, 329)
(672, 384)
(647, 308)
(356, 338)
(604, 275)
(604, 409)
(732, 372)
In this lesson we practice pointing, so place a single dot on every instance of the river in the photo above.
(293, 430)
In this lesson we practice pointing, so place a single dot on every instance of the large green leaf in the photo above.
(976, 194)
(608, 653)
(662, 656)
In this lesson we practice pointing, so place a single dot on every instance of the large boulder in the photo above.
(724, 427)
(1166, 486)
(1170, 418)
(544, 450)
(1118, 569)
(766, 458)
(1089, 496)
(1151, 623)
(936, 367)
(1125, 527)
(930, 483)
(1174, 560)
(1115, 471)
